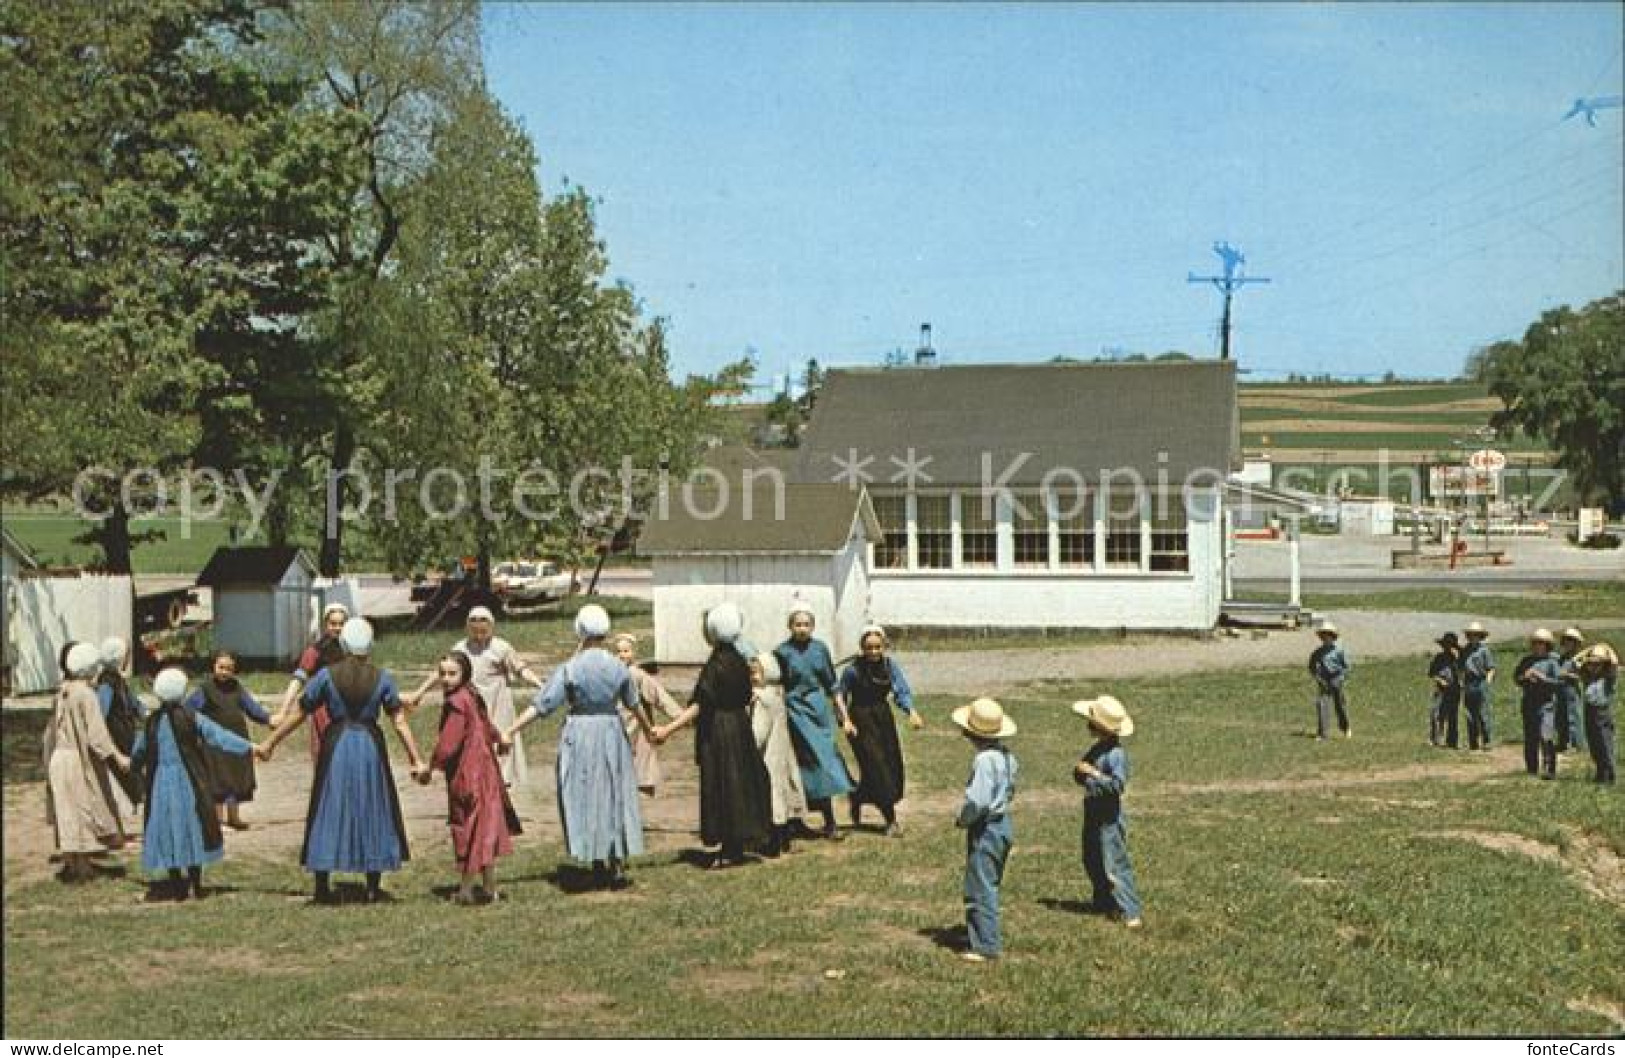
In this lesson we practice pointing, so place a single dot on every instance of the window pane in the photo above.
(1170, 536)
(934, 531)
(1029, 521)
(891, 551)
(1075, 517)
(1123, 529)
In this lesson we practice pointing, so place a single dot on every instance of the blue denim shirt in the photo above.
(991, 788)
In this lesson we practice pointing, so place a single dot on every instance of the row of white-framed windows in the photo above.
(1063, 529)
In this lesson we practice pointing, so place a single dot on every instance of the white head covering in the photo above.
(357, 636)
(169, 685)
(481, 613)
(592, 622)
(334, 606)
(724, 623)
(799, 605)
(113, 649)
(873, 630)
(83, 660)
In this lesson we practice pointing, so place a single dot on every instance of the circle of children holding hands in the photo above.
(765, 745)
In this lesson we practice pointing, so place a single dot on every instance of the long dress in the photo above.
(736, 801)
(122, 712)
(645, 756)
(79, 799)
(871, 688)
(481, 817)
(319, 655)
(181, 829)
(771, 725)
(809, 679)
(354, 822)
(231, 775)
(492, 664)
(597, 783)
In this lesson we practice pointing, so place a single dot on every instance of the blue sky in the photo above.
(816, 180)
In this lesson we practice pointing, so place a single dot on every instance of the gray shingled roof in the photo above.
(817, 520)
(230, 566)
(1080, 416)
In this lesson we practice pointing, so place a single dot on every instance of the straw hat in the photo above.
(724, 623)
(1106, 713)
(984, 718)
(1476, 628)
(1541, 635)
(1601, 654)
(1574, 634)
(592, 622)
(357, 636)
(1327, 629)
(169, 685)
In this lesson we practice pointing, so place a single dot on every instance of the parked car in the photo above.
(531, 581)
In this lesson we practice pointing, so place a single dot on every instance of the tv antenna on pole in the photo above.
(1228, 284)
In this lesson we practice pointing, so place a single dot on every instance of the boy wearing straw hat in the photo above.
(1599, 676)
(1329, 665)
(1444, 672)
(1571, 730)
(1539, 675)
(1477, 675)
(985, 817)
(1103, 774)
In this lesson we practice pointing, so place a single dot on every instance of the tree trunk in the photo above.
(114, 537)
(337, 493)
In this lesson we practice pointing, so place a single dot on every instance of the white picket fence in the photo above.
(44, 612)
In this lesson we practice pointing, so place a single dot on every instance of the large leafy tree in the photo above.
(399, 67)
(159, 196)
(1565, 383)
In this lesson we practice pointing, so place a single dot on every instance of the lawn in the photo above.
(1371, 886)
(1579, 603)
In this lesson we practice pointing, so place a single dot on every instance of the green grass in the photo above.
(1302, 910)
(1464, 420)
(50, 536)
(1577, 603)
(1403, 396)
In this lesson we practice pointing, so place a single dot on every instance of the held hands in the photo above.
(264, 751)
(916, 721)
(504, 743)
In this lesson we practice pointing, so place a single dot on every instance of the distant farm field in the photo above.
(1321, 423)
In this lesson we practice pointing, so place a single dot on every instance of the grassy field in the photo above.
(1372, 886)
(1578, 603)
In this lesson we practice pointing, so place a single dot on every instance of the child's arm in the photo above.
(1106, 779)
(904, 694)
(978, 794)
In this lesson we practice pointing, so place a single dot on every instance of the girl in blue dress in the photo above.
(181, 832)
(354, 823)
(813, 707)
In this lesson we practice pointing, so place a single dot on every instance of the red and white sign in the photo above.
(1488, 460)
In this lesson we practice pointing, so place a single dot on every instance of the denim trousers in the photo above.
(987, 847)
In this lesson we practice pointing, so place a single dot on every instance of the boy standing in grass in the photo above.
(1103, 774)
(1445, 675)
(1540, 675)
(1329, 665)
(985, 816)
(1477, 674)
(1599, 675)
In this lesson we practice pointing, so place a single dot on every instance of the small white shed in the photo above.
(1364, 516)
(262, 600)
(760, 546)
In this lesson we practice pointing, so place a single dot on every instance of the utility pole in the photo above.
(1228, 284)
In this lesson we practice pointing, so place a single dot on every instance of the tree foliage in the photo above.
(1565, 383)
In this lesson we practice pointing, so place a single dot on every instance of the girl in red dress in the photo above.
(481, 817)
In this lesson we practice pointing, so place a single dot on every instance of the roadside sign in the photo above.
(1488, 460)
